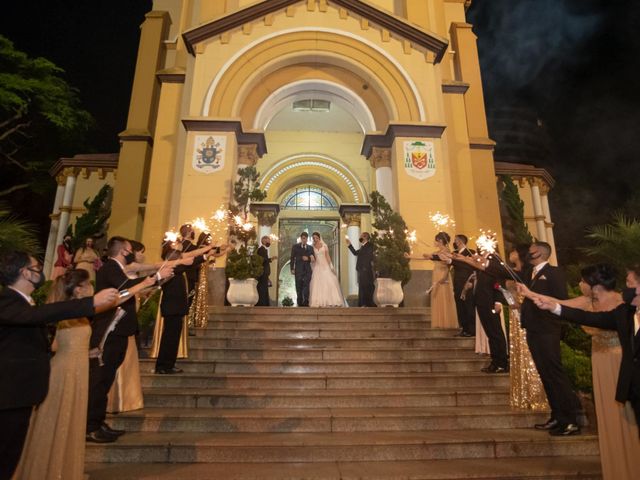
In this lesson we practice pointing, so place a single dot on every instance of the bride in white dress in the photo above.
(324, 290)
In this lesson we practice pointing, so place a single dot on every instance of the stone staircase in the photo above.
(276, 393)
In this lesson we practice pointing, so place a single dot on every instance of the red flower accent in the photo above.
(496, 286)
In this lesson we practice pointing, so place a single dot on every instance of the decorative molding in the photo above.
(351, 212)
(235, 126)
(453, 86)
(107, 162)
(248, 154)
(520, 172)
(266, 212)
(132, 135)
(171, 75)
(380, 157)
(481, 144)
(387, 21)
(399, 130)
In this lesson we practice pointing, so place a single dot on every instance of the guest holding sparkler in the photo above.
(443, 307)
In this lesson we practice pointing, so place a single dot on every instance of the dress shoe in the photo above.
(564, 430)
(488, 367)
(548, 425)
(168, 371)
(493, 368)
(467, 334)
(99, 436)
(114, 432)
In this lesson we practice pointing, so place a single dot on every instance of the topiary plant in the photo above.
(242, 265)
(390, 241)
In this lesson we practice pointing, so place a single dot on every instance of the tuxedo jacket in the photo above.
(620, 319)
(192, 274)
(175, 291)
(549, 281)
(266, 262)
(24, 346)
(112, 276)
(364, 263)
(461, 270)
(300, 266)
(485, 293)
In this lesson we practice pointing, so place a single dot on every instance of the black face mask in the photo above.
(267, 245)
(361, 239)
(130, 258)
(531, 257)
(628, 294)
(38, 283)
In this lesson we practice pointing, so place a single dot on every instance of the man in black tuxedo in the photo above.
(24, 348)
(263, 280)
(543, 338)
(301, 257)
(111, 275)
(173, 307)
(364, 267)
(623, 320)
(188, 236)
(462, 272)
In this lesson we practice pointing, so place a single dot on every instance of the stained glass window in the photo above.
(309, 197)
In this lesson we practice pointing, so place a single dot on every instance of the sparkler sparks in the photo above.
(170, 236)
(200, 224)
(487, 242)
(441, 221)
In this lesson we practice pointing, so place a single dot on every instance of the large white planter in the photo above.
(243, 293)
(388, 292)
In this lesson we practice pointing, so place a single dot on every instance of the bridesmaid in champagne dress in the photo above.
(443, 305)
(55, 444)
(86, 258)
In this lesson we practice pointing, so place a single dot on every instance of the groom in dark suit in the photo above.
(301, 257)
(364, 267)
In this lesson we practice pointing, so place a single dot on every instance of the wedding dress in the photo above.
(324, 290)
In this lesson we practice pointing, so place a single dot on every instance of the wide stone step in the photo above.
(319, 381)
(523, 468)
(315, 314)
(341, 341)
(342, 446)
(325, 324)
(322, 398)
(326, 366)
(259, 334)
(324, 419)
(300, 354)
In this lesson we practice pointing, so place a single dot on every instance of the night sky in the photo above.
(572, 64)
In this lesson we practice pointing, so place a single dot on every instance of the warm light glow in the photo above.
(274, 237)
(238, 220)
(441, 221)
(411, 236)
(219, 215)
(200, 224)
(247, 227)
(487, 242)
(170, 236)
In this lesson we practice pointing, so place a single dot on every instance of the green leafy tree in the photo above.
(17, 234)
(514, 225)
(34, 99)
(390, 241)
(616, 242)
(93, 223)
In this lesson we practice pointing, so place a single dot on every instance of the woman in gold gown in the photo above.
(443, 305)
(86, 257)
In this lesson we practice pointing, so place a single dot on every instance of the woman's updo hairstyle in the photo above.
(601, 274)
(444, 238)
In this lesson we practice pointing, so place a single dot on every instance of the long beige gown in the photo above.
(617, 427)
(443, 305)
(55, 444)
(126, 392)
(85, 260)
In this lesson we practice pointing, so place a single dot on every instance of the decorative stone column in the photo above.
(67, 203)
(50, 255)
(541, 231)
(352, 215)
(544, 198)
(267, 214)
(380, 160)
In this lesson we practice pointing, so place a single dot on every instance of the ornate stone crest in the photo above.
(209, 153)
(419, 159)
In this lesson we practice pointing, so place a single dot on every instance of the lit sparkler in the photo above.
(487, 242)
(274, 237)
(441, 221)
(171, 236)
(200, 224)
(247, 227)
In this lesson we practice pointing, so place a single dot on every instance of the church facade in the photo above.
(329, 100)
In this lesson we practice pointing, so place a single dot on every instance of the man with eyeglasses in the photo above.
(101, 377)
(24, 347)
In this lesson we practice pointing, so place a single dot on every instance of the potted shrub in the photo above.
(391, 245)
(244, 265)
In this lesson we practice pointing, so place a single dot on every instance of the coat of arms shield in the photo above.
(208, 155)
(419, 159)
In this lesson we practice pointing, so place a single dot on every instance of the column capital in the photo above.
(351, 213)
(351, 219)
(380, 157)
(248, 154)
(266, 212)
(70, 172)
(540, 183)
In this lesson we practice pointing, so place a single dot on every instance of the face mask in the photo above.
(267, 245)
(38, 283)
(361, 239)
(130, 258)
(628, 294)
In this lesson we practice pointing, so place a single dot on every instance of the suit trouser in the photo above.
(493, 329)
(302, 288)
(101, 378)
(263, 292)
(13, 431)
(465, 310)
(169, 342)
(545, 351)
(366, 288)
